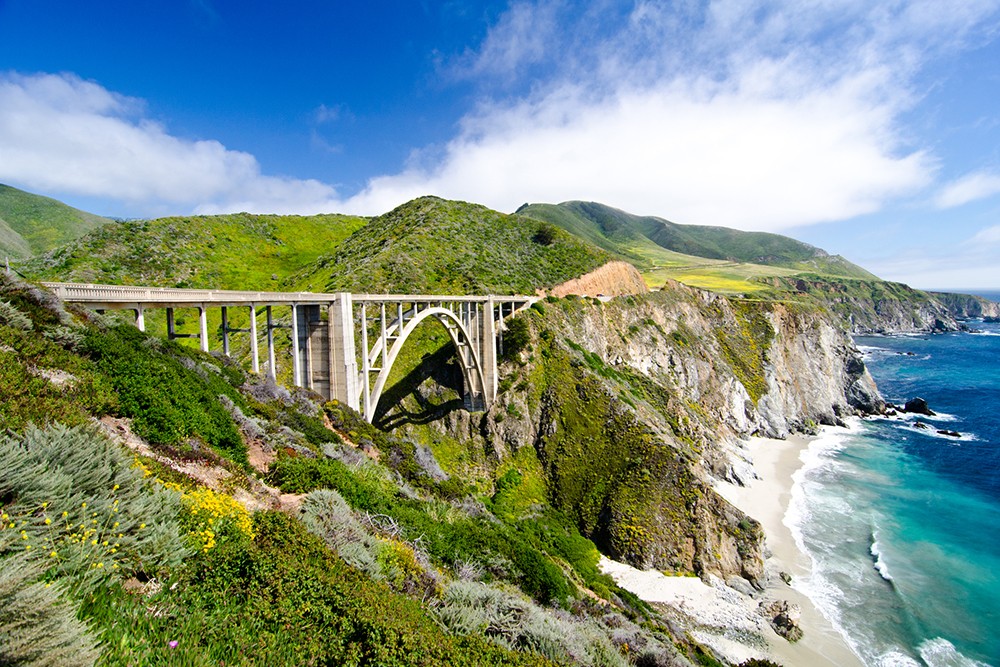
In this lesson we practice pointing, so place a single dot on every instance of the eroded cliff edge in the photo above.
(627, 409)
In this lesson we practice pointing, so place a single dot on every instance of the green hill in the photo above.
(432, 245)
(32, 224)
(709, 257)
(236, 251)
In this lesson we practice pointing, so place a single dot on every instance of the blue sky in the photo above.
(870, 129)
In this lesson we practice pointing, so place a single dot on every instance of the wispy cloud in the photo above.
(987, 236)
(968, 188)
(758, 115)
(59, 133)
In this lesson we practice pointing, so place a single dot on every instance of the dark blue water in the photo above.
(903, 524)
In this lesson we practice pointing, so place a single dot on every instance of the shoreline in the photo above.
(767, 500)
(727, 620)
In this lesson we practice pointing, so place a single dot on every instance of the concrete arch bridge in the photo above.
(326, 330)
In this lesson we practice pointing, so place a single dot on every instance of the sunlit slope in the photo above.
(32, 224)
(237, 251)
(432, 245)
(711, 257)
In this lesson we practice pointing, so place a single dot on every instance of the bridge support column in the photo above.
(203, 321)
(225, 331)
(140, 317)
(343, 353)
(271, 370)
(488, 353)
(254, 352)
(296, 361)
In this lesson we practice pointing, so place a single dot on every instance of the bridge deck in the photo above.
(165, 296)
(324, 351)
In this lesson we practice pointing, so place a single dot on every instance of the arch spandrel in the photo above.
(472, 370)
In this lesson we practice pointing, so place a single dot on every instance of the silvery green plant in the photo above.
(37, 627)
(14, 318)
(77, 502)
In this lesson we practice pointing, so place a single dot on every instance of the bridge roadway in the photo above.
(325, 328)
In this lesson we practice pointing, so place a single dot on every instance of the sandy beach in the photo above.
(727, 620)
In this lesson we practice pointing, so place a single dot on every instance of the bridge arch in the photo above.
(472, 369)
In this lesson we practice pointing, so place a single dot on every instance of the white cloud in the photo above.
(759, 115)
(969, 188)
(737, 158)
(61, 133)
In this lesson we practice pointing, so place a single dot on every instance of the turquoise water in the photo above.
(903, 524)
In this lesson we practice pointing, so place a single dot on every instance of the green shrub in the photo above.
(14, 318)
(37, 628)
(167, 401)
(284, 600)
(516, 337)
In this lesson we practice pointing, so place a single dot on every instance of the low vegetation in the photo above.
(31, 224)
(143, 555)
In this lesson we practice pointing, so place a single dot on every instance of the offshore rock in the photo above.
(918, 406)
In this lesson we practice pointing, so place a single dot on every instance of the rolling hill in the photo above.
(710, 257)
(235, 251)
(431, 245)
(31, 224)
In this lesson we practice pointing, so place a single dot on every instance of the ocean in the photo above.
(903, 524)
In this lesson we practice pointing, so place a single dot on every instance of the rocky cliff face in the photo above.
(611, 279)
(967, 306)
(875, 306)
(630, 407)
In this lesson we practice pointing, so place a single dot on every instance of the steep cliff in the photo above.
(625, 410)
(967, 306)
(872, 306)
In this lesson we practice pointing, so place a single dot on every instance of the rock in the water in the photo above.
(918, 406)
(785, 577)
(953, 434)
(783, 617)
(920, 425)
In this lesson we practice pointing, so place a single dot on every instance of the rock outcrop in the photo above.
(968, 306)
(612, 279)
(783, 617)
(918, 406)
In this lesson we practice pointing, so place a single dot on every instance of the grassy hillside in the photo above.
(236, 251)
(431, 245)
(32, 224)
(715, 258)
(124, 543)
